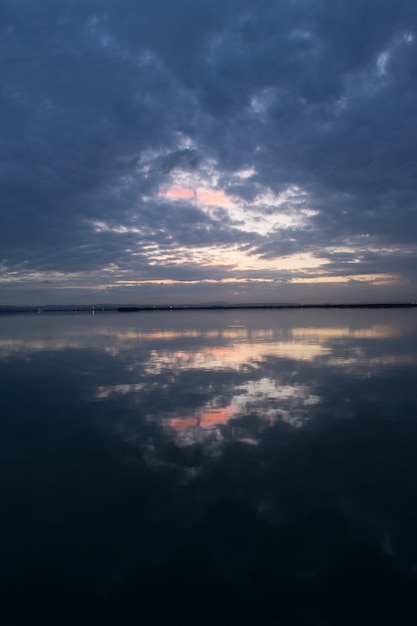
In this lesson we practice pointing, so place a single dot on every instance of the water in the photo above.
(229, 467)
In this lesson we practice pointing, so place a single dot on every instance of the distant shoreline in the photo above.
(216, 307)
(203, 307)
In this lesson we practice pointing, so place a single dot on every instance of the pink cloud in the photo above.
(180, 193)
(213, 197)
(203, 195)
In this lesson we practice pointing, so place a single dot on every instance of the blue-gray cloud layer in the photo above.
(102, 101)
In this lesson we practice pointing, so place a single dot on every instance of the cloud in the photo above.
(279, 131)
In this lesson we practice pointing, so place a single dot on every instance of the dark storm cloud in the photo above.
(106, 103)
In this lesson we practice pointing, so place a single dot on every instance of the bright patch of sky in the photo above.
(265, 213)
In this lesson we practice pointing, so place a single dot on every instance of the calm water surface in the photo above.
(232, 467)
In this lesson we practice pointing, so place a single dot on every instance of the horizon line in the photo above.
(196, 307)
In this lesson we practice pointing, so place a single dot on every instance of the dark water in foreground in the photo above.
(235, 467)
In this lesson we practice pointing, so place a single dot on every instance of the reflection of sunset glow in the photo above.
(213, 417)
(325, 334)
(360, 360)
(154, 335)
(266, 398)
(204, 418)
(235, 333)
(378, 331)
(234, 356)
(183, 423)
(235, 346)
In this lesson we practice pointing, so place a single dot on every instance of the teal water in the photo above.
(222, 467)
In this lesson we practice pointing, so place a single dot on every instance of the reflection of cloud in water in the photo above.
(359, 360)
(206, 418)
(106, 391)
(326, 334)
(17, 347)
(263, 334)
(234, 356)
(238, 411)
(257, 390)
(264, 400)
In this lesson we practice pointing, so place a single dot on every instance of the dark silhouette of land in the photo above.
(198, 307)
(268, 306)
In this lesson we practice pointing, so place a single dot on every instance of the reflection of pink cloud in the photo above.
(180, 192)
(216, 416)
(208, 419)
(183, 423)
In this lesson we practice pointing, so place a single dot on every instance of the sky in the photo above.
(198, 151)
